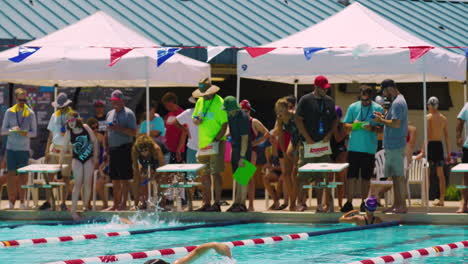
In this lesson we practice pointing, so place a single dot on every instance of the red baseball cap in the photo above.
(245, 105)
(117, 95)
(322, 82)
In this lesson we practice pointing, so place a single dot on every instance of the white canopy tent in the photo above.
(78, 56)
(354, 26)
(359, 47)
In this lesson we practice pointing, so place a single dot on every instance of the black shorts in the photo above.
(261, 158)
(360, 162)
(465, 155)
(435, 151)
(120, 162)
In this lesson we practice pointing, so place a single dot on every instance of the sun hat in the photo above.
(322, 82)
(371, 204)
(61, 101)
(230, 104)
(205, 88)
(245, 105)
(117, 95)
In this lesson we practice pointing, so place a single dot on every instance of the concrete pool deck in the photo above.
(416, 215)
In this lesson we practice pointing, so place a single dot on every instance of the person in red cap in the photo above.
(122, 128)
(316, 121)
(259, 135)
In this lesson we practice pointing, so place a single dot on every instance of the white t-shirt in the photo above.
(185, 119)
(56, 124)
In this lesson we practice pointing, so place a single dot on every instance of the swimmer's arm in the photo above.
(126, 221)
(347, 218)
(220, 248)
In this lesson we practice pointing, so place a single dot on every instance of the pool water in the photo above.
(333, 248)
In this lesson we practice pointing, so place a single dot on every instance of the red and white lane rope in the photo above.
(431, 251)
(180, 250)
(27, 242)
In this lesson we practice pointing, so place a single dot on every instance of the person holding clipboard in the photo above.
(20, 125)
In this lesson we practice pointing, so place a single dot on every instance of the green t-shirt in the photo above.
(213, 116)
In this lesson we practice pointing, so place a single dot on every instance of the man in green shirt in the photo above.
(212, 122)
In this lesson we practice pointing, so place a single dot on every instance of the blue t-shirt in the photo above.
(362, 140)
(395, 138)
(156, 124)
(125, 118)
(463, 115)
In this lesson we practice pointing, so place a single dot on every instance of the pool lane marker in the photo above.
(81, 222)
(34, 241)
(425, 252)
(240, 243)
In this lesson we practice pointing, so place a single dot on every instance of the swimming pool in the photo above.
(333, 248)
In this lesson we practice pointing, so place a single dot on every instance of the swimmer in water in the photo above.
(361, 220)
(220, 248)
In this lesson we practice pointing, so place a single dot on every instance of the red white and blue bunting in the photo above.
(165, 53)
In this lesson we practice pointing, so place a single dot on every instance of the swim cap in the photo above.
(433, 101)
(371, 204)
(338, 111)
(156, 261)
(379, 99)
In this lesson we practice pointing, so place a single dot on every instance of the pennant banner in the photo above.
(466, 51)
(214, 51)
(117, 54)
(361, 49)
(256, 52)
(23, 53)
(417, 52)
(164, 54)
(308, 52)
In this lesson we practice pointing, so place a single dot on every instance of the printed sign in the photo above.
(316, 150)
(211, 149)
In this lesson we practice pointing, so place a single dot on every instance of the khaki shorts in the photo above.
(54, 158)
(213, 163)
(394, 162)
(312, 176)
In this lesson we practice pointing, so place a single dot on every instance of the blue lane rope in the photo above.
(56, 223)
(182, 228)
(354, 228)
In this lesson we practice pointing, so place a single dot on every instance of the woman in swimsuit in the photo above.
(367, 219)
(285, 123)
(85, 158)
(147, 156)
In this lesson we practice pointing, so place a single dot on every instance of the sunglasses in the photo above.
(22, 100)
(365, 100)
(94, 127)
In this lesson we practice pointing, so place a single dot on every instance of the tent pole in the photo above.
(296, 81)
(238, 88)
(464, 102)
(147, 99)
(55, 95)
(425, 127)
(147, 133)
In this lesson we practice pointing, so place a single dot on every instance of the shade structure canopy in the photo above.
(78, 56)
(359, 46)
